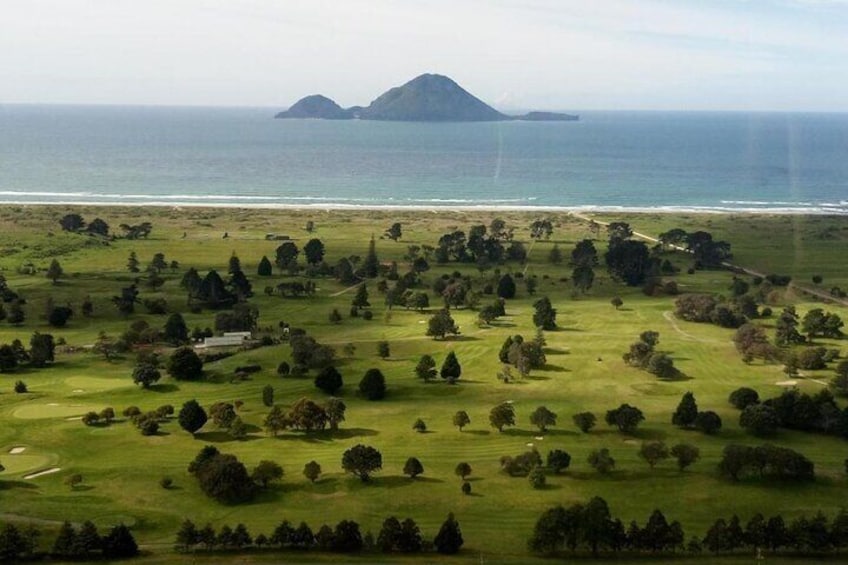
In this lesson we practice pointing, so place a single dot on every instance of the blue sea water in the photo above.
(241, 156)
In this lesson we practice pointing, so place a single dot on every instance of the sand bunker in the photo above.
(540, 438)
(49, 471)
(16, 450)
(79, 390)
(786, 383)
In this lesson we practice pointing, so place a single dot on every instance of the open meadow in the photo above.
(121, 469)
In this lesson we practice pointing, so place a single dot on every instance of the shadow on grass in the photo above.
(555, 351)
(6, 485)
(536, 433)
(477, 432)
(164, 387)
(326, 435)
(221, 436)
(396, 481)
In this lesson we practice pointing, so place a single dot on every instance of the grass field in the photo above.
(585, 371)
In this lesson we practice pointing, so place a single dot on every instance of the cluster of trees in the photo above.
(482, 245)
(643, 354)
(306, 415)
(792, 409)
(223, 477)
(85, 543)
(394, 536)
(591, 528)
(707, 252)
(765, 461)
(627, 260)
(687, 415)
(76, 223)
(450, 371)
(706, 308)
(584, 259)
(40, 353)
(524, 355)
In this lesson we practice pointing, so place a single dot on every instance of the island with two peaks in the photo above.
(426, 98)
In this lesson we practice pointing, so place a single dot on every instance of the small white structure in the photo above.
(229, 339)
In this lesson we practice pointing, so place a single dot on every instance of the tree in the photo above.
(541, 417)
(542, 228)
(558, 460)
(222, 476)
(265, 472)
(58, 316)
(584, 421)
(602, 461)
(72, 222)
(329, 380)
(617, 302)
(451, 369)
(383, 349)
(175, 331)
(686, 454)
(265, 268)
(440, 324)
(286, 255)
(371, 264)
(449, 539)
(133, 263)
(413, 467)
(335, 410)
(506, 287)
(502, 415)
(145, 375)
(312, 471)
(759, 419)
(373, 385)
(545, 315)
(395, 231)
(419, 426)
(276, 420)
(314, 251)
(743, 397)
(54, 271)
(426, 368)
(462, 470)
(461, 419)
(787, 329)
(628, 261)
(708, 422)
(65, 541)
(360, 300)
(119, 543)
(185, 365)
(361, 461)
(537, 478)
(16, 314)
(192, 416)
(686, 413)
(625, 417)
(42, 348)
(653, 452)
(74, 480)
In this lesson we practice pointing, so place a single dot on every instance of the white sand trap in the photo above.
(530, 444)
(53, 404)
(630, 441)
(42, 473)
(16, 450)
(786, 383)
(79, 390)
(72, 418)
(540, 438)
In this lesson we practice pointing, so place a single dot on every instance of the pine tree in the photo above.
(54, 272)
(265, 268)
(686, 413)
(449, 539)
(451, 369)
(371, 264)
(132, 263)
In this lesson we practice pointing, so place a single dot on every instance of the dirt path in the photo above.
(747, 270)
(348, 289)
(669, 316)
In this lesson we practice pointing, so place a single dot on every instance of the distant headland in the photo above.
(426, 98)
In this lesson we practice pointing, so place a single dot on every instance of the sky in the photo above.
(769, 55)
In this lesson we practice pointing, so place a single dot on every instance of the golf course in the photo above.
(58, 464)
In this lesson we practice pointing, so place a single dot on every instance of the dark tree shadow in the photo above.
(396, 481)
(6, 485)
(477, 432)
(164, 387)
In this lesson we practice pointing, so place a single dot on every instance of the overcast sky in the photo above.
(539, 54)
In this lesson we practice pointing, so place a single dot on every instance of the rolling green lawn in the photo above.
(585, 371)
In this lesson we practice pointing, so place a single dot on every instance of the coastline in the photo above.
(445, 207)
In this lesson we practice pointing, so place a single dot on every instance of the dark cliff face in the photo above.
(427, 98)
(430, 98)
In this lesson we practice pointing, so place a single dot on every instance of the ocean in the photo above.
(243, 157)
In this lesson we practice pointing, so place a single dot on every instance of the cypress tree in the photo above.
(686, 413)
(451, 369)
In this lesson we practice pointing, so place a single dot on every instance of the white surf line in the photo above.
(42, 473)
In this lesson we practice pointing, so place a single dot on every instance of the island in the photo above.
(426, 98)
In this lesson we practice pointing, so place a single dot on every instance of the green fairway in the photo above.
(122, 469)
